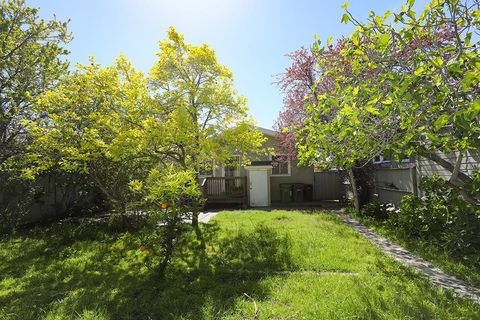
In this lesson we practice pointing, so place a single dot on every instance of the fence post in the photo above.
(413, 177)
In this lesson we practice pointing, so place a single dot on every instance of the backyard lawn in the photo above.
(258, 265)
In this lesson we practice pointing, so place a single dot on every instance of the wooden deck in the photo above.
(225, 190)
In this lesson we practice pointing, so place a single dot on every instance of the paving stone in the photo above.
(437, 276)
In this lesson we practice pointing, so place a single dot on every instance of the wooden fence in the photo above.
(48, 197)
(225, 190)
(328, 185)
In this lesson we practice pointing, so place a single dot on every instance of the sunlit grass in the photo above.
(289, 264)
(466, 268)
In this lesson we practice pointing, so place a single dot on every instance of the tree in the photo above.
(30, 63)
(167, 193)
(303, 83)
(144, 141)
(82, 129)
(80, 124)
(206, 118)
(404, 89)
(296, 83)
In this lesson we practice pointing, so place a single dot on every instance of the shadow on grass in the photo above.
(65, 270)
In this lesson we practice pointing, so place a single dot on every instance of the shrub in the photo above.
(15, 201)
(442, 216)
(166, 197)
(378, 210)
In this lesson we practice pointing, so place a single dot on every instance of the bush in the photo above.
(441, 216)
(378, 210)
(15, 202)
(167, 196)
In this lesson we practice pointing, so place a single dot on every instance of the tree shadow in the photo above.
(66, 269)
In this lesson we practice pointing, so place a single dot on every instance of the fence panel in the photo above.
(328, 186)
(394, 183)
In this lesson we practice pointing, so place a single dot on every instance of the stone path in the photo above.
(204, 217)
(437, 276)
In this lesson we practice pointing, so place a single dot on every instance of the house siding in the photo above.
(392, 183)
(427, 167)
(298, 174)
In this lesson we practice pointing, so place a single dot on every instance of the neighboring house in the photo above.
(394, 180)
(261, 183)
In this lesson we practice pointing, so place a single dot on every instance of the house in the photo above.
(266, 181)
(394, 180)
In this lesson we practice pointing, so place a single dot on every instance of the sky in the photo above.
(251, 37)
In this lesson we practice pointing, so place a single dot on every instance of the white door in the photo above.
(258, 188)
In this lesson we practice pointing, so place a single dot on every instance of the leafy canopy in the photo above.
(31, 51)
(207, 119)
(400, 88)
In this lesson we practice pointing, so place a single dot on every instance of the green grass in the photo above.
(292, 265)
(466, 268)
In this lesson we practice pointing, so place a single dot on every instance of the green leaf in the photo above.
(387, 15)
(469, 78)
(372, 110)
(384, 38)
(476, 13)
(468, 38)
(358, 52)
(438, 62)
(344, 133)
(441, 121)
(419, 71)
(330, 40)
(355, 39)
(476, 106)
(345, 18)
(461, 120)
(345, 5)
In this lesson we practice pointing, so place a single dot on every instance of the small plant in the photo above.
(378, 210)
(167, 197)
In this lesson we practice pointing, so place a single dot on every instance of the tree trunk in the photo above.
(456, 169)
(169, 246)
(447, 165)
(195, 213)
(458, 178)
(195, 219)
(196, 228)
(353, 184)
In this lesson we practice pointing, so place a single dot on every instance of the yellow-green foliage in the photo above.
(118, 125)
(31, 61)
(207, 118)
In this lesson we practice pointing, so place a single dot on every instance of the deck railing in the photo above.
(225, 190)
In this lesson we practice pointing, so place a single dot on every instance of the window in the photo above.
(381, 159)
(280, 165)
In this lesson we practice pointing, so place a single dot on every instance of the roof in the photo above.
(267, 132)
